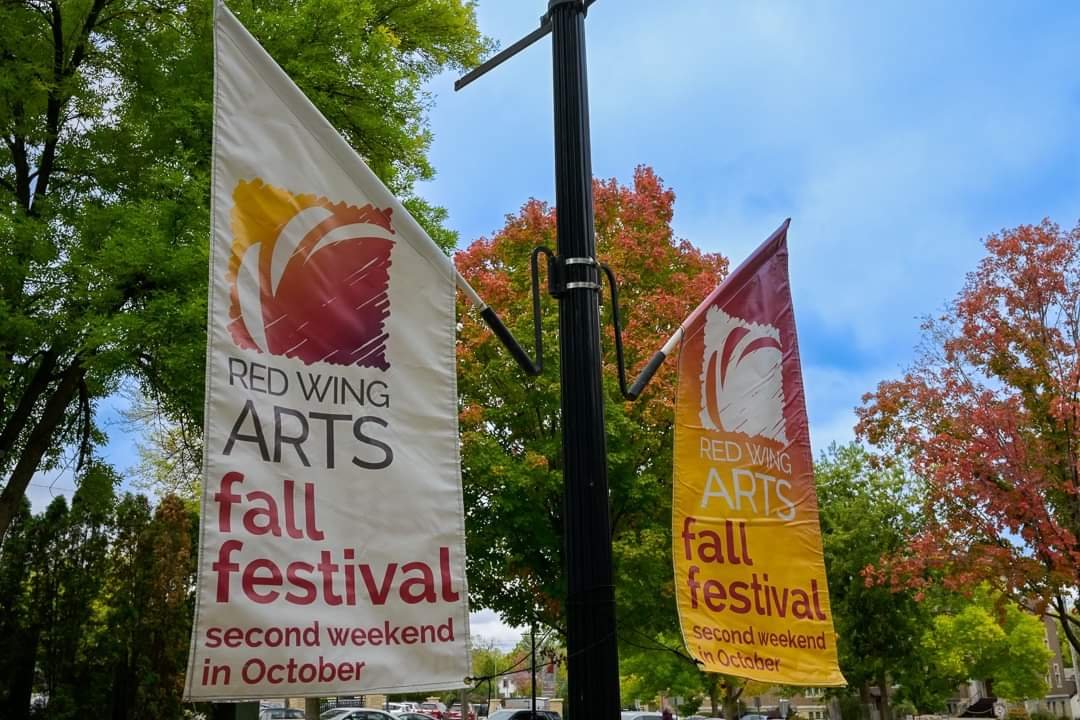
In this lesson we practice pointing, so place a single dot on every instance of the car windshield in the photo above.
(286, 714)
(333, 713)
(501, 715)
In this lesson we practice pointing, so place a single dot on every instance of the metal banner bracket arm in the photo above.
(641, 382)
(495, 323)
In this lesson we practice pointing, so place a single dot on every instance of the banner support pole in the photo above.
(592, 656)
(532, 679)
(592, 652)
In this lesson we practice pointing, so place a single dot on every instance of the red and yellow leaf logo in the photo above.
(309, 278)
(742, 386)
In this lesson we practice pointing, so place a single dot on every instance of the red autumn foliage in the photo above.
(510, 423)
(661, 278)
(988, 418)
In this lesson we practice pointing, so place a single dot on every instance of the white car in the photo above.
(335, 713)
(281, 714)
(364, 714)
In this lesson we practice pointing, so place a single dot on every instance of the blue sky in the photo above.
(895, 136)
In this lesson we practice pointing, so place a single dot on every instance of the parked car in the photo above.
(640, 715)
(411, 716)
(333, 713)
(396, 708)
(433, 709)
(454, 713)
(365, 714)
(281, 714)
(525, 715)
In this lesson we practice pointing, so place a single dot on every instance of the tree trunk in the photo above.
(886, 708)
(714, 695)
(122, 689)
(15, 424)
(38, 444)
(866, 702)
(22, 685)
(731, 699)
(1069, 625)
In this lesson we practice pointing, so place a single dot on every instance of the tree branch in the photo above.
(34, 389)
(41, 438)
(87, 420)
(62, 71)
(1066, 621)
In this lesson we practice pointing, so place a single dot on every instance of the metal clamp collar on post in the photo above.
(580, 284)
(557, 286)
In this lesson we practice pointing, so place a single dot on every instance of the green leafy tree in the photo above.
(488, 661)
(511, 450)
(125, 597)
(651, 669)
(989, 638)
(169, 449)
(68, 587)
(105, 112)
(98, 603)
(58, 560)
(16, 557)
(164, 628)
(868, 511)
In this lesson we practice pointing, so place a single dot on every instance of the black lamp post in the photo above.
(591, 649)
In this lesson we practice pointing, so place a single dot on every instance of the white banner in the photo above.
(332, 550)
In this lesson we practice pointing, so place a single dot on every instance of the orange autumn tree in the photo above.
(510, 427)
(988, 416)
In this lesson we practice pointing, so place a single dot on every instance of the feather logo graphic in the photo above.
(742, 387)
(308, 278)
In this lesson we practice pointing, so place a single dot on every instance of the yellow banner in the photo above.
(749, 571)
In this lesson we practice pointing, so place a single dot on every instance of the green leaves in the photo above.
(97, 599)
(867, 512)
(990, 638)
(106, 113)
(928, 641)
(511, 427)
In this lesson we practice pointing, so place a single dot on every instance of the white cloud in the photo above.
(894, 136)
(47, 486)
(486, 626)
(832, 394)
